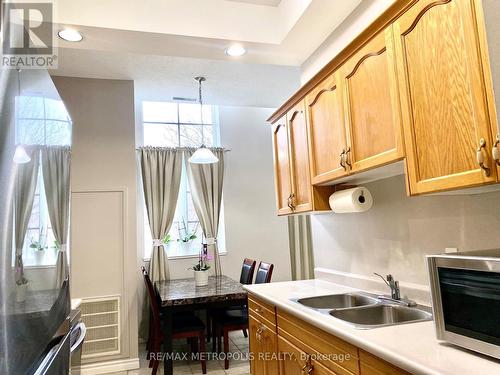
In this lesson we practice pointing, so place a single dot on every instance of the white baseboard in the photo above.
(111, 366)
(417, 292)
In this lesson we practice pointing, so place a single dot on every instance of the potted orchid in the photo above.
(201, 268)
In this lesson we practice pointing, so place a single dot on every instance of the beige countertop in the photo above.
(412, 347)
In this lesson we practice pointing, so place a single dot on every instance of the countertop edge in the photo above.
(389, 356)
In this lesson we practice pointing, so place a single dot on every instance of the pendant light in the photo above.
(20, 155)
(202, 155)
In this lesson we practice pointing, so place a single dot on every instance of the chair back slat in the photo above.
(264, 273)
(153, 300)
(247, 271)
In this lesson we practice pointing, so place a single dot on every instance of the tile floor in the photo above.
(238, 345)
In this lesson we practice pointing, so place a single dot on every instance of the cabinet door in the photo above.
(372, 105)
(326, 131)
(299, 159)
(319, 369)
(293, 361)
(264, 347)
(441, 82)
(282, 176)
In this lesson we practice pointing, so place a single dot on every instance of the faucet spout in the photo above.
(393, 284)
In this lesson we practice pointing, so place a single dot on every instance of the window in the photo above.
(179, 125)
(41, 121)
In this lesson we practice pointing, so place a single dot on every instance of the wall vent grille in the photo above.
(102, 319)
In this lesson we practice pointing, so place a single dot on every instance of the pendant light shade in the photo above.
(203, 155)
(21, 156)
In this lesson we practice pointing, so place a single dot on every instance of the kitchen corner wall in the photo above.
(396, 234)
(103, 253)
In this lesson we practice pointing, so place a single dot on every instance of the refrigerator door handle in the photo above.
(83, 331)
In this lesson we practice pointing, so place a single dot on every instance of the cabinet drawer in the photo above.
(263, 311)
(371, 365)
(332, 352)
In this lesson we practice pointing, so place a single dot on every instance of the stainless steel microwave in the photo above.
(465, 289)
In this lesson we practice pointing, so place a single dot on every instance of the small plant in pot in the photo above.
(201, 268)
(39, 249)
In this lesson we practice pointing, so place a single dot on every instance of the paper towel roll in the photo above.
(357, 199)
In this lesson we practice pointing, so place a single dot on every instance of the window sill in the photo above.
(180, 257)
(36, 267)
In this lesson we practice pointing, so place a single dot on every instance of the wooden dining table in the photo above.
(183, 295)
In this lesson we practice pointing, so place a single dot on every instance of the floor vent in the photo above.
(102, 319)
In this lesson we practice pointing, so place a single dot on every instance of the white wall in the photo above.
(396, 234)
(352, 26)
(103, 213)
(252, 228)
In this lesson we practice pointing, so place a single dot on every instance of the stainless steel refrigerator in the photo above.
(34, 333)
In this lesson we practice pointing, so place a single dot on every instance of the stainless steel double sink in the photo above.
(364, 311)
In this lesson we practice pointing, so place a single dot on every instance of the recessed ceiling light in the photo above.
(70, 35)
(236, 50)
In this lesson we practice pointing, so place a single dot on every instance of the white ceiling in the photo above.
(163, 77)
(163, 44)
(269, 3)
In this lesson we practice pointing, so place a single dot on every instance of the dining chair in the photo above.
(185, 326)
(237, 319)
(264, 273)
(246, 277)
(247, 271)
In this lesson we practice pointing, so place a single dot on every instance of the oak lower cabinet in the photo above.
(263, 346)
(282, 344)
(372, 105)
(447, 122)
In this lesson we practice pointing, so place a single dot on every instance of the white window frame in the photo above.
(40, 193)
(184, 182)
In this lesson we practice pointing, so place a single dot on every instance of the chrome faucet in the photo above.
(393, 284)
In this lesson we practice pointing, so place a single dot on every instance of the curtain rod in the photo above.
(183, 148)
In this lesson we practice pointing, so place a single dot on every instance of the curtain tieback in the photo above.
(157, 242)
(210, 240)
(63, 248)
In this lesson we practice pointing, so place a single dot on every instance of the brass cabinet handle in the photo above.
(258, 310)
(292, 205)
(496, 151)
(342, 161)
(480, 157)
(289, 200)
(347, 157)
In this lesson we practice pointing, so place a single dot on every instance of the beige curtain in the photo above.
(161, 175)
(301, 252)
(26, 181)
(56, 178)
(205, 182)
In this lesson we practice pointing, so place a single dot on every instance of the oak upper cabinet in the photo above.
(263, 346)
(447, 129)
(372, 105)
(301, 198)
(283, 182)
(326, 131)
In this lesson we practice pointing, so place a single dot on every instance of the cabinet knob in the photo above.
(480, 158)
(496, 151)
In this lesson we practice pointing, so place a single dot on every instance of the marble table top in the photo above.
(184, 292)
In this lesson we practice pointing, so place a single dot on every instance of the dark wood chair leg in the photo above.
(219, 340)
(209, 325)
(155, 349)
(226, 348)
(245, 333)
(214, 339)
(203, 353)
